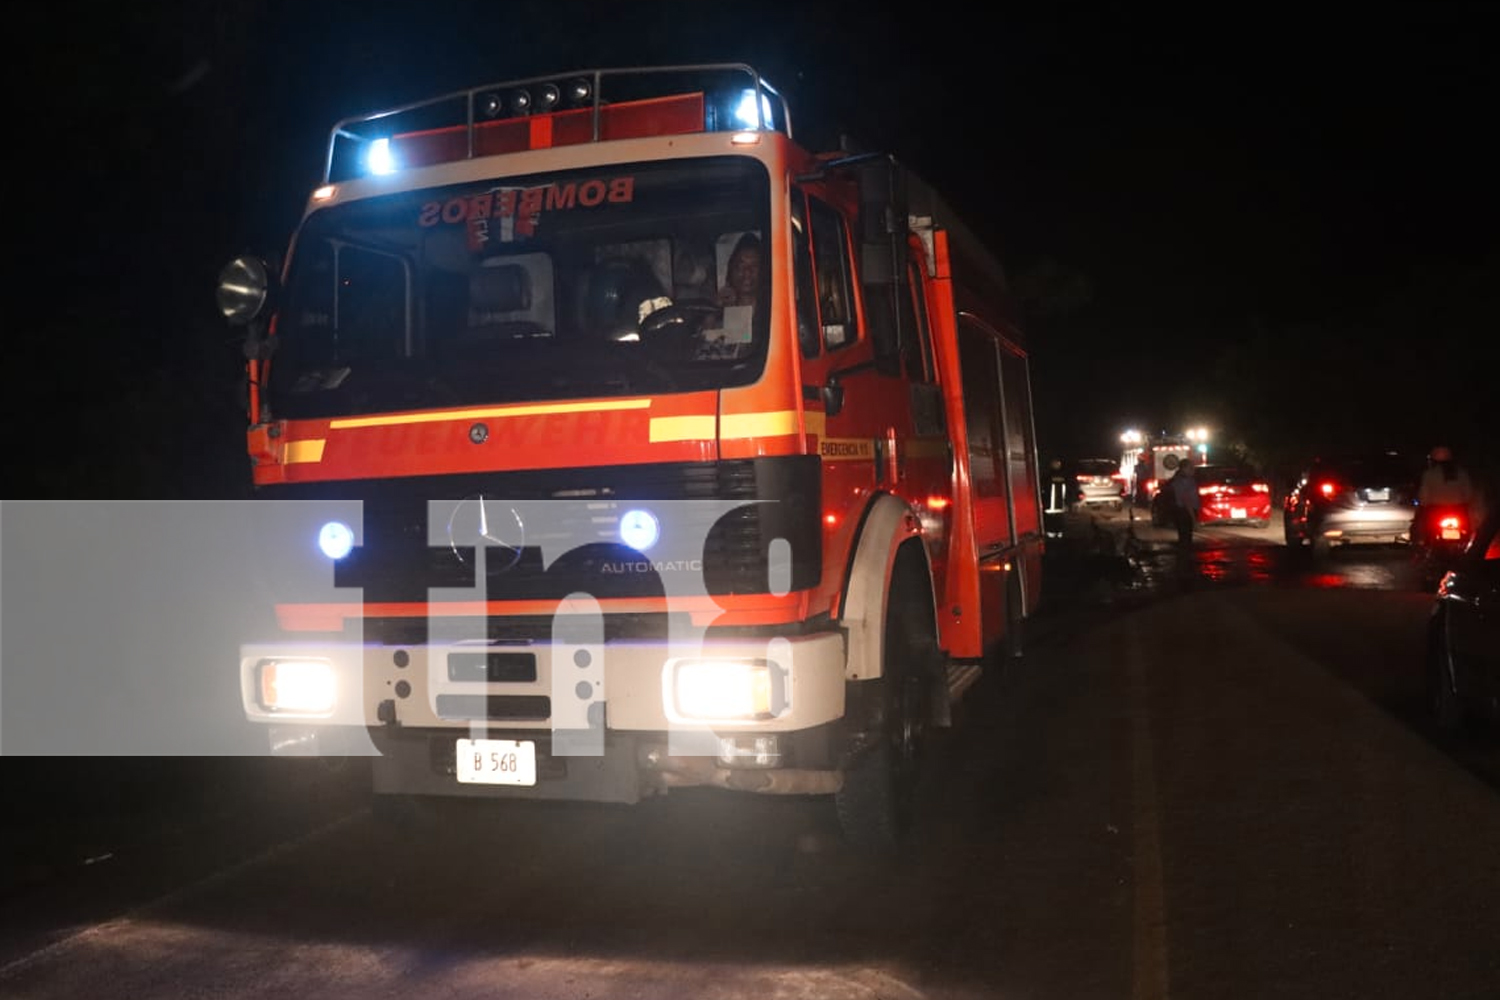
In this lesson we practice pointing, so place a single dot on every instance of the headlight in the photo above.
(304, 687)
(706, 690)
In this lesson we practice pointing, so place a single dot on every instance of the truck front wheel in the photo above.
(877, 802)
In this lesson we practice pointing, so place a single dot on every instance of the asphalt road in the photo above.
(1210, 777)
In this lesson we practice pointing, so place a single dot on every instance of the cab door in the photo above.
(886, 431)
(842, 392)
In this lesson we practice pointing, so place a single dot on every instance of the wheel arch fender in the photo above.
(888, 525)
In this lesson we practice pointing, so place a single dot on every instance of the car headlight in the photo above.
(303, 687)
(711, 689)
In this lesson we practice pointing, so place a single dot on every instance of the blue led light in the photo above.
(336, 539)
(639, 529)
(380, 159)
(744, 111)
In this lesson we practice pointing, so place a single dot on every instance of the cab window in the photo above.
(918, 351)
(805, 289)
(832, 272)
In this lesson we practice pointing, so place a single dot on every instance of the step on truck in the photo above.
(641, 447)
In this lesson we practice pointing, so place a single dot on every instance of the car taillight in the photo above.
(1260, 487)
(1327, 488)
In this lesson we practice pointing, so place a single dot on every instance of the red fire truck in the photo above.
(1149, 464)
(645, 448)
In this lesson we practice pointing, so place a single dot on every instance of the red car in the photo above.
(1227, 494)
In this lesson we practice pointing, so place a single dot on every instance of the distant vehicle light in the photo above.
(381, 160)
(1328, 489)
(1260, 487)
(336, 539)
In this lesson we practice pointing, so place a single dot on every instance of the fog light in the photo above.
(706, 690)
(639, 529)
(301, 686)
(336, 539)
(750, 751)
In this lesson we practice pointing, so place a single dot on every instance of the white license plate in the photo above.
(1379, 496)
(496, 762)
(1238, 512)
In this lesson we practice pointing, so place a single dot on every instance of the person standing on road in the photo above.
(1183, 487)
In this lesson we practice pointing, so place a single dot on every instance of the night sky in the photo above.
(1280, 224)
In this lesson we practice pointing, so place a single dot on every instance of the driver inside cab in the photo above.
(742, 273)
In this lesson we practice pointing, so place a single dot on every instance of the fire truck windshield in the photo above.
(579, 284)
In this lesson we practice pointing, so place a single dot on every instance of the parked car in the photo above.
(1099, 483)
(1227, 494)
(1233, 494)
(1463, 634)
(1352, 500)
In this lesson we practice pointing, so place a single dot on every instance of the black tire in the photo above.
(876, 804)
(1015, 620)
(1443, 701)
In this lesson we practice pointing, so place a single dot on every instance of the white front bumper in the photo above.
(633, 681)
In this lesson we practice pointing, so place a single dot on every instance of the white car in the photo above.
(1100, 483)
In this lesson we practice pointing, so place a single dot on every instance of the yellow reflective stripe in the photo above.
(692, 428)
(757, 425)
(489, 412)
(303, 451)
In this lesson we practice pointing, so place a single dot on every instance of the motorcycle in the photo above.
(1439, 534)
